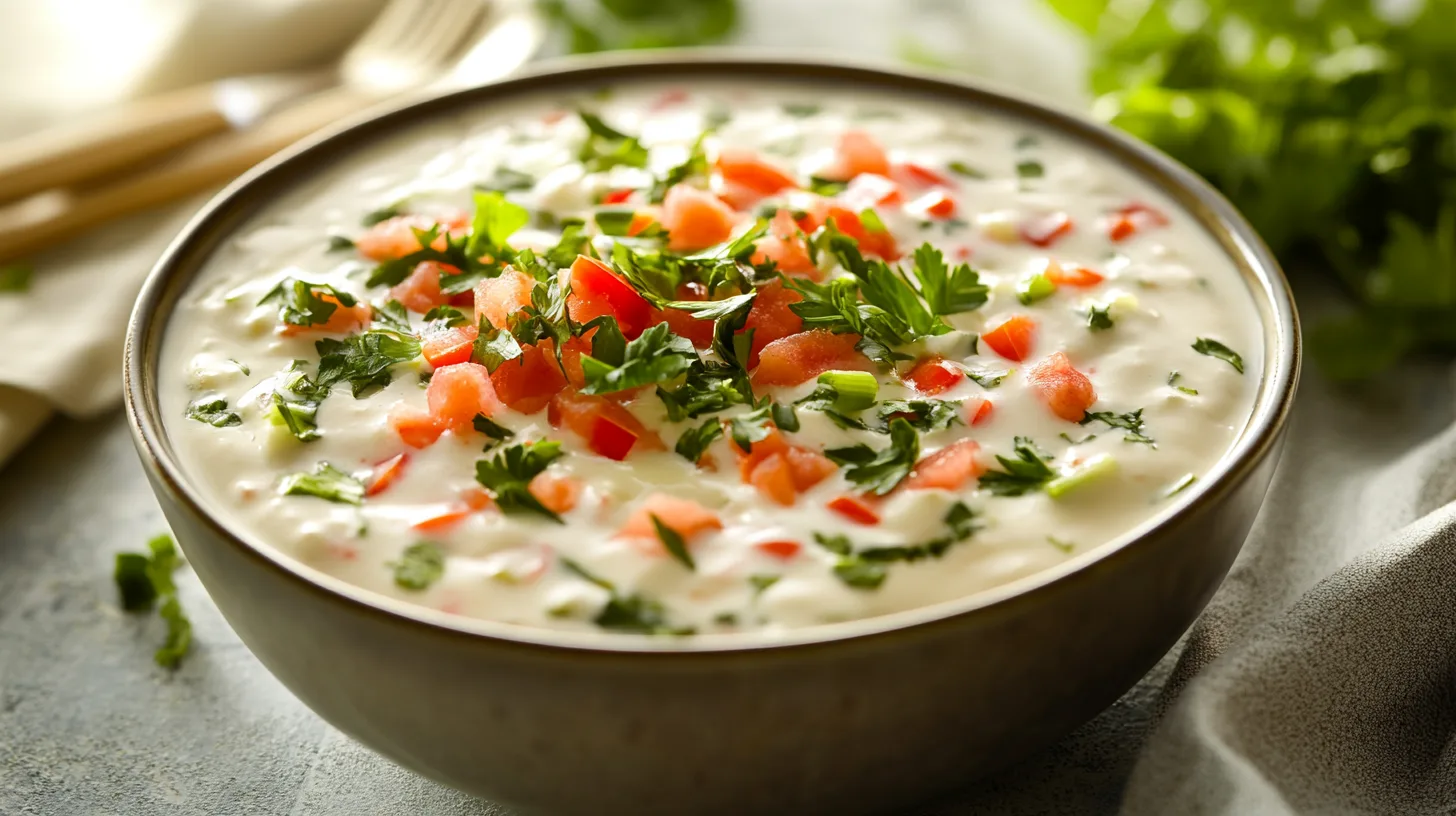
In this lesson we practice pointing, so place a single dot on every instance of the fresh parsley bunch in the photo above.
(1330, 125)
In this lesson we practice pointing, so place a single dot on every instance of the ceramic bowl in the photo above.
(850, 717)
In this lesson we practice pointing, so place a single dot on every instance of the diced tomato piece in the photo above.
(977, 410)
(747, 169)
(476, 498)
(448, 346)
(784, 245)
(528, 382)
(670, 98)
(854, 508)
(1046, 230)
(343, 320)
(695, 219)
(559, 494)
(935, 204)
(685, 517)
(571, 359)
(857, 152)
(878, 243)
(395, 237)
(617, 196)
(420, 292)
(641, 220)
(683, 323)
(801, 357)
(1013, 338)
(933, 374)
(963, 253)
(1133, 219)
(385, 473)
(597, 291)
(458, 393)
(770, 318)
(1071, 275)
(601, 421)
(948, 468)
(779, 549)
(1063, 388)
(807, 467)
(922, 175)
(416, 428)
(774, 478)
(442, 521)
(498, 298)
(770, 445)
(871, 190)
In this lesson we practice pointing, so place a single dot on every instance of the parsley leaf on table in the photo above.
(145, 578)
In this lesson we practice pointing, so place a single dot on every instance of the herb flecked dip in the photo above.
(692, 362)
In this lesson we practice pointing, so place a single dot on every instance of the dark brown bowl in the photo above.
(843, 718)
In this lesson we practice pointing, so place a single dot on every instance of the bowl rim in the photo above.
(241, 199)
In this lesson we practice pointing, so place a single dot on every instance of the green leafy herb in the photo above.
(988, 379)
(1027, 140)
(695, 441)
(828, 188)
(801, 110)
(302, 304)
(618, 24)
(923, 414)
(867, 568)
(760, 582)
(382, 214)
(419, 566)
(629, 613)
(1132, 422)
(784, 417)
(1030, 169)
(606, 147)
(489, 427)
(1028, 471)
(505, 180)
(392, 315)
(326, 482)
(213, 411)
(672, 542)
(878, 472)
(754, 426)
(1213, 348)
(363, 360)
(340, 243)
(960, 168)
(145, 578)
(494, 347)
(656, 356)
(1174, 378)
(509, 473)
(495, 221)
(296, 400)
(1179, 486)
(947, 291)
(694, 166)
(1099, 318)
(447, 316)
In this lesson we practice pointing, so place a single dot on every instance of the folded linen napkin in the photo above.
(60, 342)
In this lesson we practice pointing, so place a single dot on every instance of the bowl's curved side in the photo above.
(865, 721)
(844, 726)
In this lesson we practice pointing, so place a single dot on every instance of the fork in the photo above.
(411, 42)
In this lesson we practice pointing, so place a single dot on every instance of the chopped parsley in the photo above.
(1213, 348)
(1030, 169)
(866, 568)
(672, 542)
(694, 442)
(419, 566)
(879, 472)
(392, 315)
(656, 356)
(960, 168)
(213, 411)
(694, 166)
(484, 424)
(340, 243)
(447, 316)
(627, 613)
(506, 180)
(988, 379)
(363, 360)
(754, 426)
(923, 414)
(494, 347)
(1173, 380)
(947, 291)
(301, 303)
(1132, 422)
(1027, 472)
(382, 214)
(508, 477)
(296, 401)
(325, 482)
(1099, 318)
(760, 582)
(801, 110)
(818, 185)
(606, 147)
(143, 579)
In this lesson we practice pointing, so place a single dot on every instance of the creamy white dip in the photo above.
(1164, 286)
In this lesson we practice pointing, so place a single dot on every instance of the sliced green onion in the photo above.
(1037, 287)
(1092, 470)
(854, 390)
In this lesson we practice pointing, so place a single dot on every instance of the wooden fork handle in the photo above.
(62, 156)
(203, 167)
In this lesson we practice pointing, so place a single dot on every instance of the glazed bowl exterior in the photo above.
(854, 717)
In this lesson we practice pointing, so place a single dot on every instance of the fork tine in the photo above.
(455, 21)
(410, 40)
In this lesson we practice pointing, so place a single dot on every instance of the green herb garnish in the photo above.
(879, 472)
(694, 442)
(301, 303)
(1213, 348)
(627, 613)
(960, 168)
(672, 542)
(363, 360)
(867, 568)
(923, 414)
(509, 473)
(145, 578)
(447, 316)
(1132, 422)
(1028, 471)
(606, 147)
(656, 356)
(419, 566)
(1173, 380)
(325, 482)
(213, 411)
(340, 243)
(1099, 318)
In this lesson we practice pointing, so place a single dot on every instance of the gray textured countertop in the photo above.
(89, 725)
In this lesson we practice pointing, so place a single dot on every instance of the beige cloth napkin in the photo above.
(60, 342)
